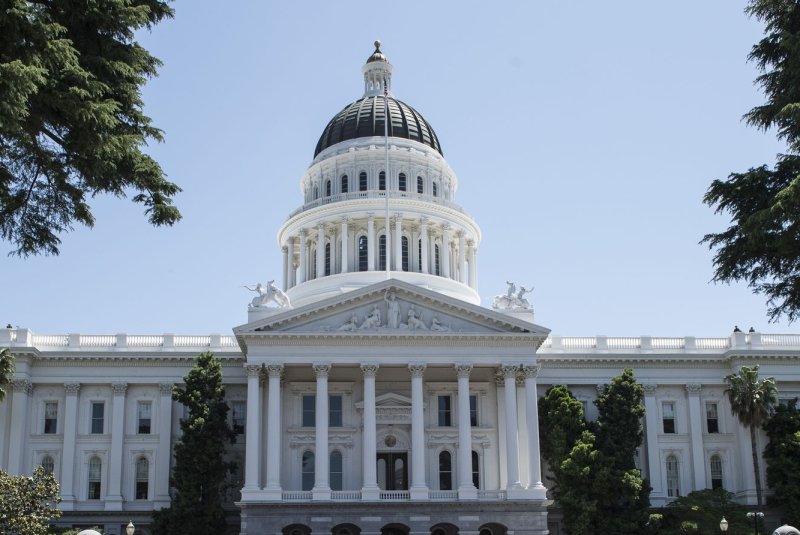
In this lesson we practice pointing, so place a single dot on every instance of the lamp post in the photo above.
(723, 525)
(130, 528)
(755, 516)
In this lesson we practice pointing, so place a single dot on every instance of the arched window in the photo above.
(382, 252)
(404, 246)
(327, 259)
(716, 471)
(48, 464)
(401, 180)
(673, 477)
(362, 253)
(336, 470)
(328, 188)
(382, 181)
(142, 477)
(435, 189)
(445, 471)
(436, 265)
(316, 193)
(476, 470)
(308, 470)
(362, 181)
(344, 183)
(95, 471)
(420, 185)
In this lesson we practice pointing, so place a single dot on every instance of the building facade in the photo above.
(370, 390)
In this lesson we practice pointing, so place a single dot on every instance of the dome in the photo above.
(364, 118)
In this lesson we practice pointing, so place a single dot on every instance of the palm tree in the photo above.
(751, 400)
(6, 369)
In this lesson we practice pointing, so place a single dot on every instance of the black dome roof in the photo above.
(365, 118)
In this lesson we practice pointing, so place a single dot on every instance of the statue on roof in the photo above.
(513, 300)
(267, 294)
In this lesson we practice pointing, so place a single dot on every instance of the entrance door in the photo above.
(392, 471)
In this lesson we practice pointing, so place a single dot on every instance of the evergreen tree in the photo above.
(782, 455)
(561, 424)
(28, 503)
(200, 472)
(703, 509)
(751, 400)
(762, 244)
(71, 119)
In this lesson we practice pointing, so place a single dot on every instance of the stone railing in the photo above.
(372, 194)
(26, 338)
(638, 344)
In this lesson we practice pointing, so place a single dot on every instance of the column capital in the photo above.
(398, 216)
(274, 370)
(253, 370)
(693, 389)
(344, 220)
(471, 243)
(321, 369)
(531, 371)
(302, 233)
(650, 389)
(423, 221)
(166, 389)
(463, 370)
(285, 249)
(22, 385)
(72, 388)
(417, 369)
(370, 216)
(119, 388)
(445, 227)
(509, 370)
(369, 369)
(601, 389)
(461, 234)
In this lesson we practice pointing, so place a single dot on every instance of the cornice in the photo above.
(397, 340)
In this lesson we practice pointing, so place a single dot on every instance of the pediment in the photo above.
(394, 308)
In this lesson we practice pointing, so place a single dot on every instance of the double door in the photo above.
(392, 470)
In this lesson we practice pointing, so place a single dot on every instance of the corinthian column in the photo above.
(419, 487)
(444, 259)
(369, 490)
(114, 496)
(164, 452)
(398, 242)
(344, 252)
(512, 448)
(370, 243)
(70, 434)
(466, 488)
(285, 251)
(423, 236)
(322, 489)
(473, 266)
(651, 430)
(19, 421)
(462, 257)
(303, 269)
(273, 489)
(695, 429)
(252, 441)
(535, 486)
(320, 251)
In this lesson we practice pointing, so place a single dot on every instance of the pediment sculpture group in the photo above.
(414, 320)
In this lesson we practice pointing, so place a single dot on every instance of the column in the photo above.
(19, 428)
(696, 430)
(252, 442)
(273, 489)
(370, 243)
(535, 487)
(462, 257)
(164, 453)
(512, 451)
(285, 251)
(71, 391)
(444, 258)
(369, 490)
(419, 487)
(653, 454)
(473, 267)
(466, 489)
(114, 495)
(344, 252)
(320, 251)
(423, 235)
(303, 269)
(398, 242)
(321, 490)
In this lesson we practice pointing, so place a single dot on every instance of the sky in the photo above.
(583, 134)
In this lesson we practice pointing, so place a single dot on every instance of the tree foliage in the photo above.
(200, 471)
(28, 503)
(751, 399)
(597, 484)
(700, 512)
(762, 245)
(6, 371)
(71, 119)
(782, 456)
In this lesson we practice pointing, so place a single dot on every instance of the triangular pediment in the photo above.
(390, 307)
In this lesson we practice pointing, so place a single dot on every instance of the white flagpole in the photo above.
(386, 191)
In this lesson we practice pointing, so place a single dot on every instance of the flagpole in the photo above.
(386, 180)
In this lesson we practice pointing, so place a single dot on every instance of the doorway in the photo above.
(392, 471)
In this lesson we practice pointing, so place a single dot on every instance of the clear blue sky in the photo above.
(584, 135)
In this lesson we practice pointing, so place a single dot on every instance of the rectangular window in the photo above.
(335, 410)
(668, 416)
(445, 414)
(712, 420)
(473, 410)
(50, 417)
(309, 410)
(98, 417)
(239, 418)
(144, 411)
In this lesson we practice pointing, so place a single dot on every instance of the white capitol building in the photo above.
(372, 392)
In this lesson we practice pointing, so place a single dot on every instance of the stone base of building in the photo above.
(520, 517)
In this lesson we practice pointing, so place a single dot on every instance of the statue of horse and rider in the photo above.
(269, 294)
(513, 299)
